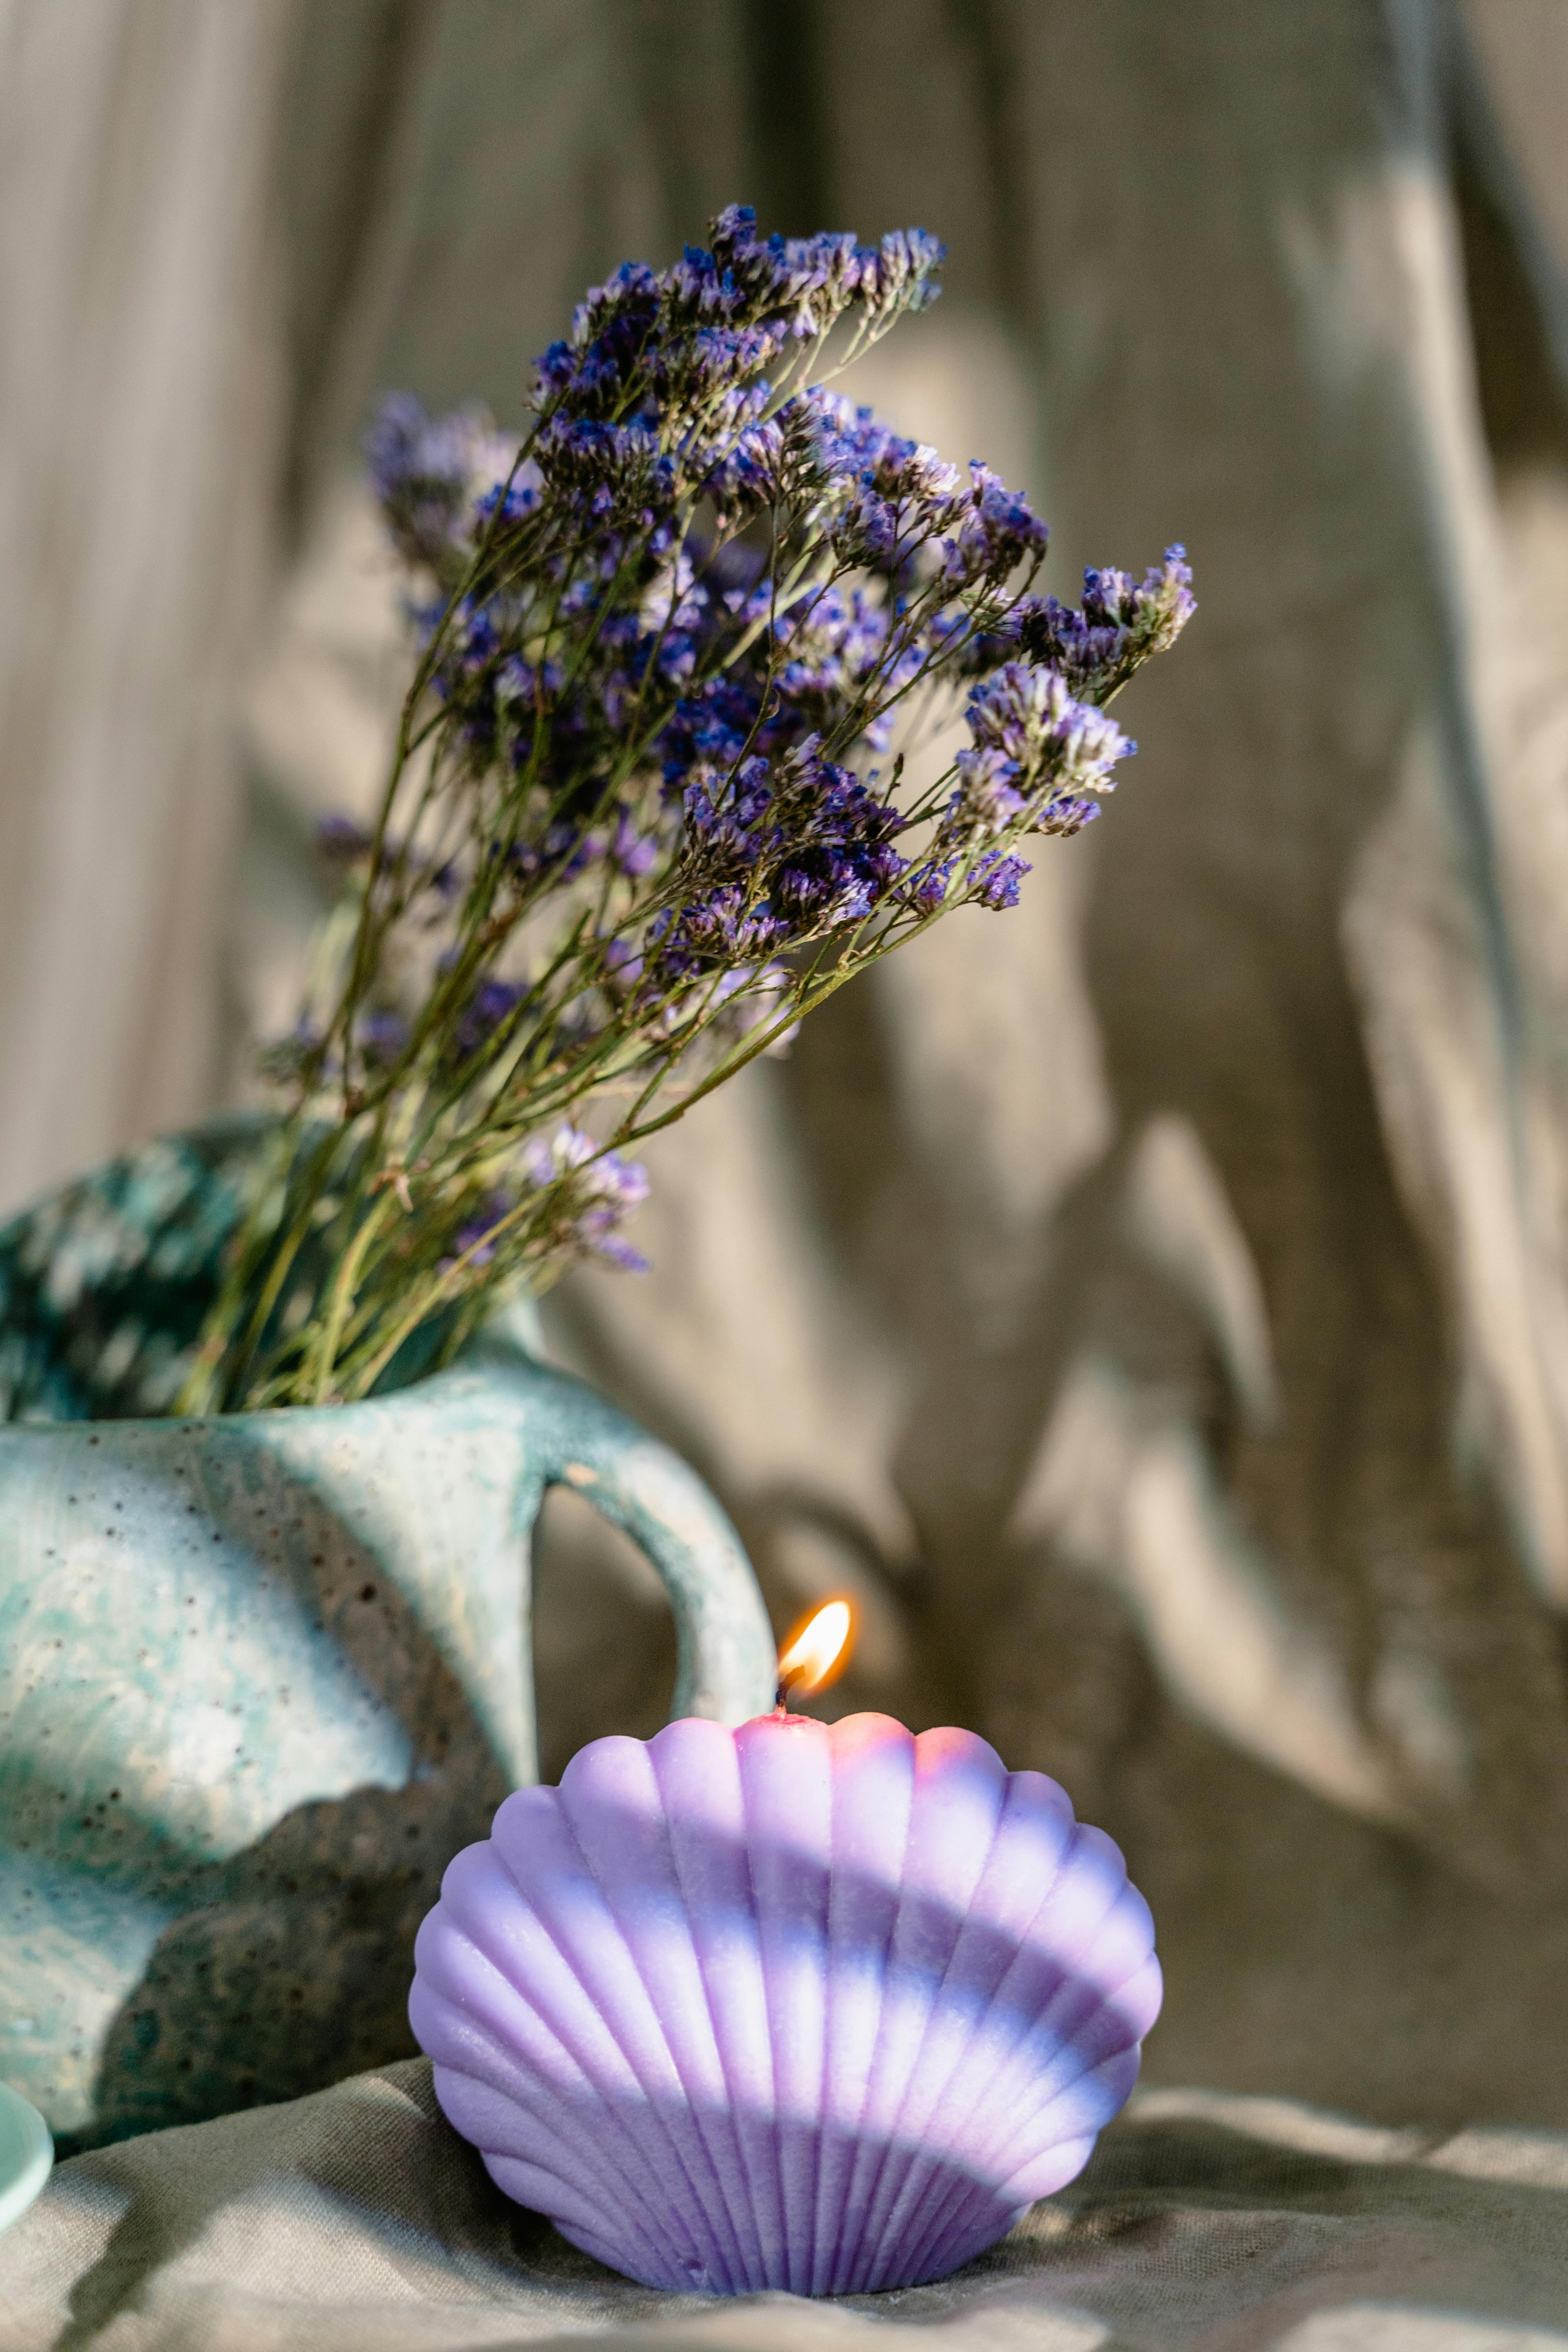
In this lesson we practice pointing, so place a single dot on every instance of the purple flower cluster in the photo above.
(382, 1036)
(899, 501)
(990, 529)
(632, 836)
(739, 301)
(427, 473)
(1096, 649)
(662, 632)
(488, 1010)
(614, 474)
(476, 1238)
(631, 618)
(661, 378)
(1037, 758)
(584, 1193)
(781, 852)
(991, 881)
(591, 604)
(605, 1187)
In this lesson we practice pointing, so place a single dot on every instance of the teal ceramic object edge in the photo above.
(26, 2155)
(262, 1675)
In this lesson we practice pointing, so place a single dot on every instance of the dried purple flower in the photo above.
(659, 636)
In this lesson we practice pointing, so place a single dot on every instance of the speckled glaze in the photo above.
(260, 1675)
(806, 2006)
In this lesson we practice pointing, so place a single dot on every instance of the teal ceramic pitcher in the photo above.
(261, 1675)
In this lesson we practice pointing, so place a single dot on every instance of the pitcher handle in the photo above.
(727, 1665)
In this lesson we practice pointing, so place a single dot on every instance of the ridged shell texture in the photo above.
(804, 2006)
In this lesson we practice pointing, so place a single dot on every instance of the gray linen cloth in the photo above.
(356, 2221)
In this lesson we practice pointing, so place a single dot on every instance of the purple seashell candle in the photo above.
(804, 2006)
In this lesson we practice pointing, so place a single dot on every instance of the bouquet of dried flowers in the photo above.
(630, 837)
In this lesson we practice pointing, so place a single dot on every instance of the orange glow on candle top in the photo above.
(817, 1651)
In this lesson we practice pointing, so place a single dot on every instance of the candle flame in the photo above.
(817, 1651)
